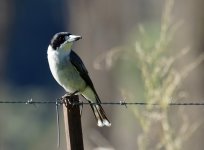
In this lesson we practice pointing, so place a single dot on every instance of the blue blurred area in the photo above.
(34, 23)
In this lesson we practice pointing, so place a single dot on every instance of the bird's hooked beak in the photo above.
(72, 38)
(69, 41)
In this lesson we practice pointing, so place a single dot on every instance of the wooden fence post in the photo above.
(72, 120)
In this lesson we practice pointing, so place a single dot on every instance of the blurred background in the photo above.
(135, 50)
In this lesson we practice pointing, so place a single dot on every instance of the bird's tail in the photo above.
(100, 115)
(92, 97)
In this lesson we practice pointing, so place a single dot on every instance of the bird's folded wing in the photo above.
(77, 62)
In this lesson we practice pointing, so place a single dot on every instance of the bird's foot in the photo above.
(68, 99)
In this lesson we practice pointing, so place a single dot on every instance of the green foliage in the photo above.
(146, 71)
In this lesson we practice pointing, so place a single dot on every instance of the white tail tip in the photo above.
(104, 123)
(100, 123)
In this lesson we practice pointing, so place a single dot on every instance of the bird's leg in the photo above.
(64, 99)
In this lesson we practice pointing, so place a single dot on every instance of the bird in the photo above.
(70, 72)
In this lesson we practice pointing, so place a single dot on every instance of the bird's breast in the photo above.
(66, 74)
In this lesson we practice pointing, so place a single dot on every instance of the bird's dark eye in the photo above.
(61, 38)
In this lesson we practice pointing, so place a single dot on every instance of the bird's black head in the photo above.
(58, 39)
(62, 37)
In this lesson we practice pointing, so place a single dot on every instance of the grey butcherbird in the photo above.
(69, 71)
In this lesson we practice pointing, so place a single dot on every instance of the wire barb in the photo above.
(30, 101)
(123, 103)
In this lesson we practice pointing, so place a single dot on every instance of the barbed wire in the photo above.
(122, 102)
(60, 101)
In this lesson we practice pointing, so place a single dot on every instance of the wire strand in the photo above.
(58, 125)
(59, 102)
